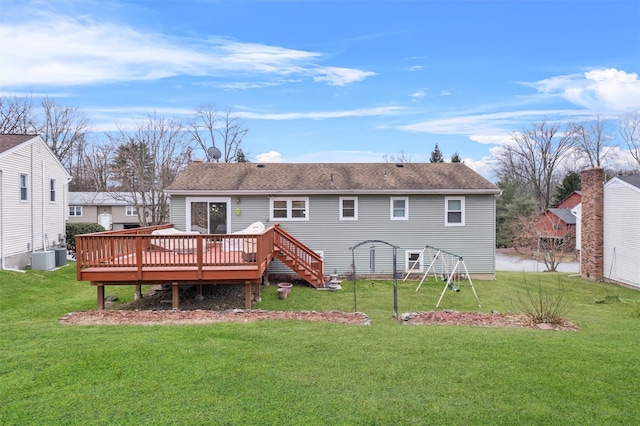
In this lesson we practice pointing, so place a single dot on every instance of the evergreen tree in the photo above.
(240, 157)
(570, 183)
(511, 204)
(455, 158)
(436, 155)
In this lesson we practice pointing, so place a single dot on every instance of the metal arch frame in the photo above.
(395, 279)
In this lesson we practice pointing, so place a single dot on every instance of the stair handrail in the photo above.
(316, 271)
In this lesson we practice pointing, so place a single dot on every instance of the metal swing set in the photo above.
(450, 267)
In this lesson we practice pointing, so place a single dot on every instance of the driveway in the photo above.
(514, 263)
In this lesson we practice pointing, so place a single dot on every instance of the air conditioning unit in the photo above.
(60, 255)
(43, 260)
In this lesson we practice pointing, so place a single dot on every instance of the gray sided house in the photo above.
(112, 210)
(332, 207)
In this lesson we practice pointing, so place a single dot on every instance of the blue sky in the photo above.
(332, 81)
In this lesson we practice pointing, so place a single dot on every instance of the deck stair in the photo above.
(306, 263)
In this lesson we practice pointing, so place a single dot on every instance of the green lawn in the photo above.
(299, 373)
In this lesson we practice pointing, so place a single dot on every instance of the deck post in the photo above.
(247, 296)
(200, 296)
(100, 288)
(138, 292)
(175, 299)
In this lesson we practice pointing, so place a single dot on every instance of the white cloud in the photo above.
(483, 167)
(318, 115)
(497, 139)
(52, 49)
(599, 90)
(486, 128)
(414, 68)
(270, 157)
(340, 76)
(420, 93)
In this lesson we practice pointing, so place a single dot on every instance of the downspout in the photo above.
(42, 210)
(31, 204)
(65, 209)
(2, 265)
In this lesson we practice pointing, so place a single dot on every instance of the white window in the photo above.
(413, 261)
(289, 209)
(348, 208)
(52, 190)
(132, 211)
(75, 211)
(454, 211)
(24, 182)
(399, 208)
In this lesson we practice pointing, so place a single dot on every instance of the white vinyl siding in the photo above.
(454, 214)
(30, 221)
(293, 208)
(24, 187)
(52, 190)
(621, 257)
(399, 208)
(348, 208)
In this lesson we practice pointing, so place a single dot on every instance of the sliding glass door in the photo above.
(209, 215)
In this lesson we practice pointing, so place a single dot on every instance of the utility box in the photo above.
(43, 260)
(60, 255)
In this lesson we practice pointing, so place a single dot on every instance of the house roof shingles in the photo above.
(8, 142)
(331, 177)
(565, 214)
(100, 199)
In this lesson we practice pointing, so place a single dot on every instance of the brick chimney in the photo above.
(592, 252)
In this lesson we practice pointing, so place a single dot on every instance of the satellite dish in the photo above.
(214, 153)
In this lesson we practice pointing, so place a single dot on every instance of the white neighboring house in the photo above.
(622, 230)
(33, 199)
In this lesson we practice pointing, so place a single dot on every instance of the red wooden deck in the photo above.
(137, 257)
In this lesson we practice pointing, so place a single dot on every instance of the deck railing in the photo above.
(140, 248)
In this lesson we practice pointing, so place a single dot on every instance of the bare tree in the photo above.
(546, 237)
(533, 158)
(64, 129)
(592, 142)
(146, 162)
(16, 116)
(400, 158)
(630, 132)
(96, 166)
(221, 130)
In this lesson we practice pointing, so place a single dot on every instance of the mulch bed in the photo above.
(215, 304)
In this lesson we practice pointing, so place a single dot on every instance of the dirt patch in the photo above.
(199, 316)
(448, 317)
(206, 297)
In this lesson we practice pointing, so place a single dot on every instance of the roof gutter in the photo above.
(336, 191)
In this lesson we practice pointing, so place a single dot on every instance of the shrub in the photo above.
(542, 306)
(74, 229)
